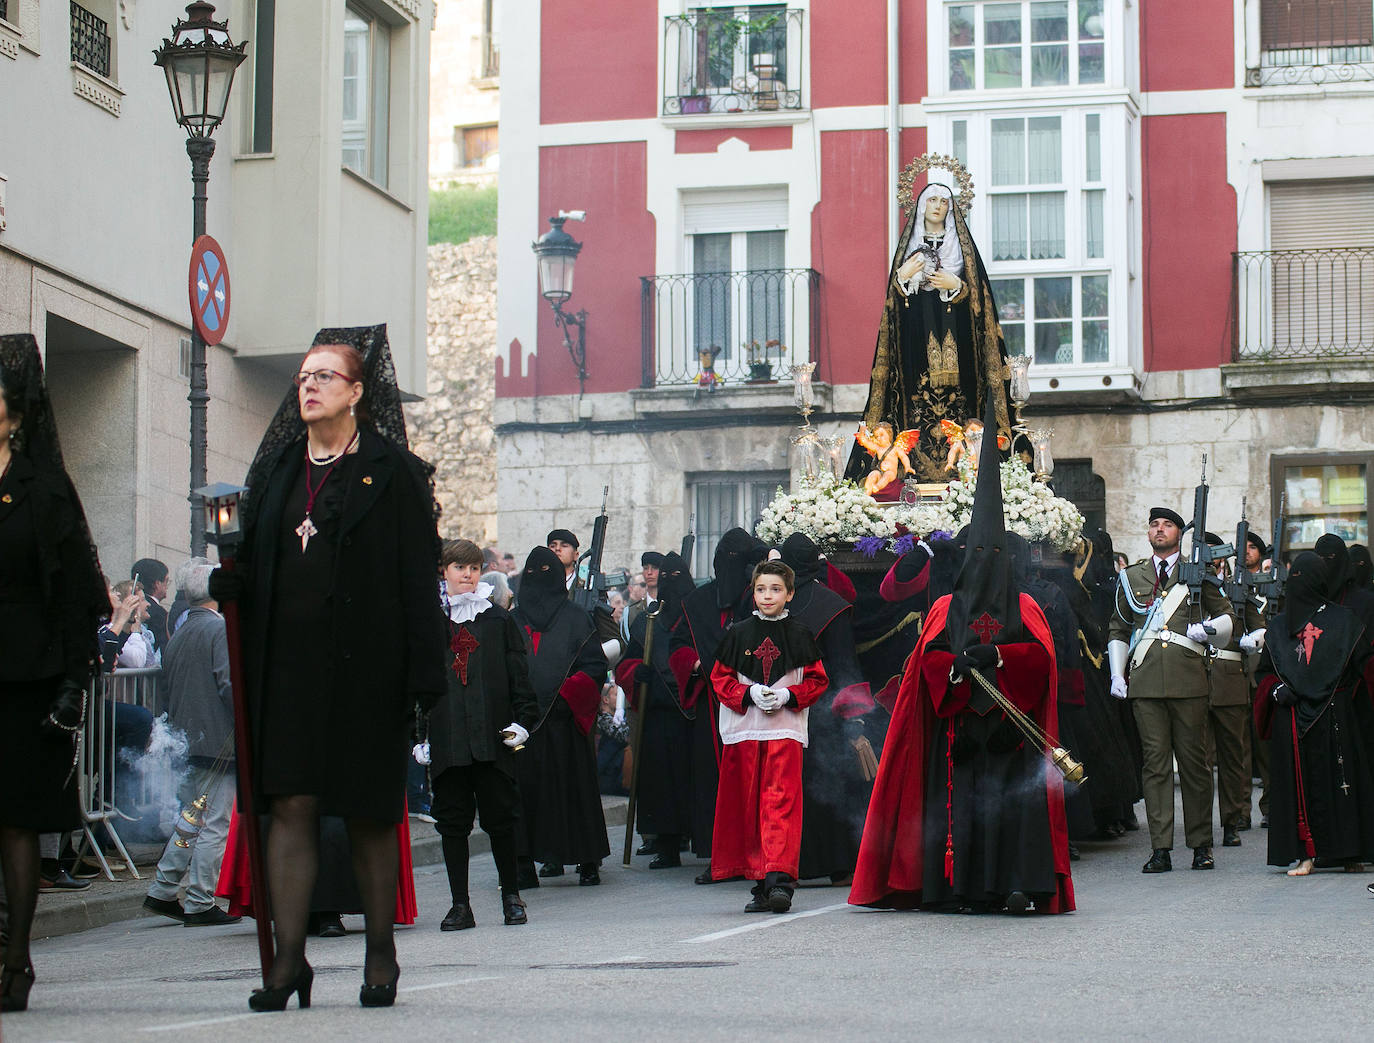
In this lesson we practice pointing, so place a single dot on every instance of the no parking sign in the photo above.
(209, 287)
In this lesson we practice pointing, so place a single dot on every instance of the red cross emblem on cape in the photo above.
(463, 645)
(986, 628)
(767, 654)
(1308, 636)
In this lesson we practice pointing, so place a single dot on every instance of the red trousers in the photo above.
(758, 810)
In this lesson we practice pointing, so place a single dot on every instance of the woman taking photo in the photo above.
(52, 597)
(339, 555)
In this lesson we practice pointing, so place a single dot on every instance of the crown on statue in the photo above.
(906, 181)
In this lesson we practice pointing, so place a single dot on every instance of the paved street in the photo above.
(1239, 953)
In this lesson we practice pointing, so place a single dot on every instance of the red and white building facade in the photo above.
(1175, 201)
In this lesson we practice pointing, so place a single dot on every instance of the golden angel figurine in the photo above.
(890, 453)
(965, 439)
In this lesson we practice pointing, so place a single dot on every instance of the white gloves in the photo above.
(1197, 632)
(1118, 687)
(619, 716)
(421, 752)
(784, 696)
(514, 735)
(769, 699)
(1252, 642)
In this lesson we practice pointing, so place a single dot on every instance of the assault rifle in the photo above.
(1197, 570)
(593, 591)
(1273, 580)
(1239, 588)
(689, 541)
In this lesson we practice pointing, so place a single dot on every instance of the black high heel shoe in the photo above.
(379, 995)
(275, 998)
(15, 983)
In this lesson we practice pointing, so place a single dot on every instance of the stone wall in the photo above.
(452, 428)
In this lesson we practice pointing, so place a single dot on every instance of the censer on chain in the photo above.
(1062, 759)
(190, 820)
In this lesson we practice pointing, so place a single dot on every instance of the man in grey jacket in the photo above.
(201, 704)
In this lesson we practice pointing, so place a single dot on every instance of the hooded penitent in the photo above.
(803, 557)
(986, 607)
(542, 588)
(1307, 589)
(674, 584)
(1336, 556)
(736, 555)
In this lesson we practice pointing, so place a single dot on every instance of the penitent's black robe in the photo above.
(698, 638)
(1321, 754)
(665, 798)
(561, 801)
(834, 792)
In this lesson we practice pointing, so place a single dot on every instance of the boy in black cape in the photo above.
(768, 672)
(474, 731)
(707, 613)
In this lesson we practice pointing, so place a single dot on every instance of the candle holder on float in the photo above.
(812, 447)
(1043, 465)
(1019, 368)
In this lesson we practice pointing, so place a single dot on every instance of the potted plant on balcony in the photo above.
(759, 358)
(689, 104)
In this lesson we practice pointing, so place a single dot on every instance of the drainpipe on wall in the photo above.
(894, 129)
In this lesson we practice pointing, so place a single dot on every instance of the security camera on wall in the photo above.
(573, 215)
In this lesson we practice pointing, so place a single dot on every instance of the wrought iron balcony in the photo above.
(90, 41)
(732, 59)
(1317, 41)
(724, 329)
(1303, 304)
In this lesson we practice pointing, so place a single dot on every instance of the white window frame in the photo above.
(745, 484)
(377, 133)
(1113, 35)
(1116, 129)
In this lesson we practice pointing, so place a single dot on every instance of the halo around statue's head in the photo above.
(906, 181)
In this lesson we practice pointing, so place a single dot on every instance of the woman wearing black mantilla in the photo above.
(52, 597)
(340, 545)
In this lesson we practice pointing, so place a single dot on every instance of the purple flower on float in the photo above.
(869, 546)
(903, 544)
(939, 534)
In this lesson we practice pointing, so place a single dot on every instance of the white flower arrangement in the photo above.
(833, 512)
(836, 513)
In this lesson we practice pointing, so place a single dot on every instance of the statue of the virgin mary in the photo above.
(940, 349)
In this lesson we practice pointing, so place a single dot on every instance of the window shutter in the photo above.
(1286, 24)
(1323, 297)
(742, 211)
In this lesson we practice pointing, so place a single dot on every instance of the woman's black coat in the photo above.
(387, 645)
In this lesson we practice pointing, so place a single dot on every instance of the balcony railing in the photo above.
(732, 59)
(90, 41)
(1304, 304)
(752, 326)
(1314, 41)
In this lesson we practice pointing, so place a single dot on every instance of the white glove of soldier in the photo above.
(1197, 632)
(782, 696)
(1252, 642)
(515, 735)
(619, 716)
(1118, 687)
(421, 753)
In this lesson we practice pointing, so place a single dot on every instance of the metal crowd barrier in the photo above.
(98, 761)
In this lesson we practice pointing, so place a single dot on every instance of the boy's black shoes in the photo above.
(779, 899)
(514, 909)
(459, 918)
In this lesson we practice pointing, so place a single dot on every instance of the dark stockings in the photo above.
(292, 864)
(376, 863)
(19, 860)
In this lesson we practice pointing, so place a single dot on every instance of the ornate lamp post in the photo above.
(557, 252)
(199, 62)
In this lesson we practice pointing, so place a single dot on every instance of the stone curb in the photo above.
(109, 902)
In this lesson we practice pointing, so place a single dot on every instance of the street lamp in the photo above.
(557, 252)
(199, 62)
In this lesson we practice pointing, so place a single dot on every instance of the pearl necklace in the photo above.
(325, 461)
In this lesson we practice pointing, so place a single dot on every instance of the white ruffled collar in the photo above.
(464, 608)
(772, 619)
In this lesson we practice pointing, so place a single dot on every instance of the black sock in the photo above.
(503, 854)
(456, 862)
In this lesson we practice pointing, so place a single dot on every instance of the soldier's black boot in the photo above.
(1202, 857)
(1159, 862)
